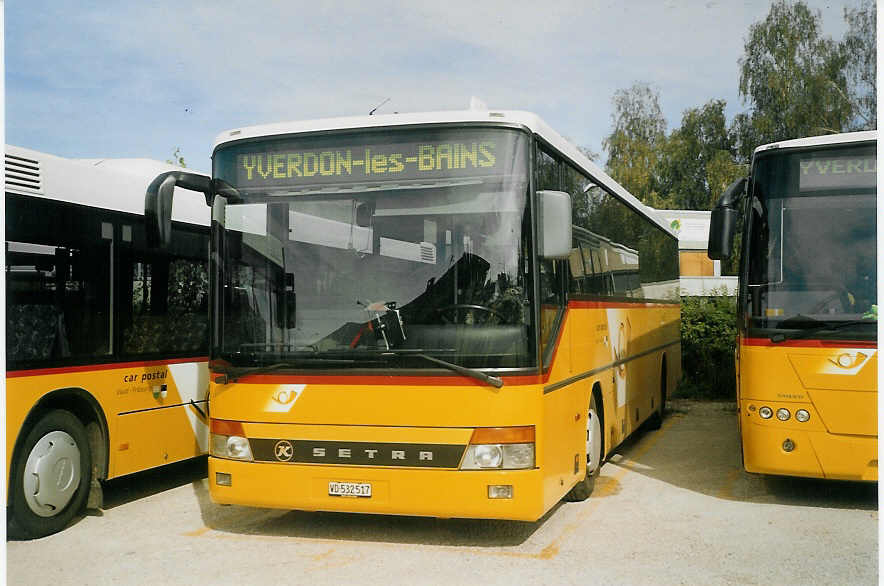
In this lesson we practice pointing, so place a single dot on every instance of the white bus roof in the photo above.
(112, 184)
(528, 120)
(826, 139)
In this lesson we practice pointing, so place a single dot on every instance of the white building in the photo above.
(698, 274)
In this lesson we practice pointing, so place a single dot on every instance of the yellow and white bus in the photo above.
(106, 339)
(447, 314)
(807, 348)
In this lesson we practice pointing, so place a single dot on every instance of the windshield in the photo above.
(420, 248)
(812, 247)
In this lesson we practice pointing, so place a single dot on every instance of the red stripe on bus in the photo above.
(93, 367)
(811, 343)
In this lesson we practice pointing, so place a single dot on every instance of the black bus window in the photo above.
(58, 302)
(167, 306)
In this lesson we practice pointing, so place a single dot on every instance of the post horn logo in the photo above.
(283, 450)
(284, 396)
(847, 361)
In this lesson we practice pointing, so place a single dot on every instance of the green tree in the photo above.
(860, 51)
(177, 158)
(708, 334)
(792, 77)
(697, 160)
(635, 142)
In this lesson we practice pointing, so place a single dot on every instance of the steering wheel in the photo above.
(842, 296)
(470, 308)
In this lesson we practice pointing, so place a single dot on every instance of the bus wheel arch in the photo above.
(66, 429)
(595, 446)
(85, 406)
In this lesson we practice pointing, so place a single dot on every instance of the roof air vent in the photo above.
(23, 174)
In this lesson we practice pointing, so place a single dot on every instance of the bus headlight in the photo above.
(500, 448)
(802, 415)
(228, 440)
(765, 412)
(231, 446)
(783, 414)
(518, 456)
(499, 457)
(488, 456)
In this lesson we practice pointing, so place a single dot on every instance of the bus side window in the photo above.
(552, 274)
(165, 301)
(58, 302)
(552, 299)
(577, 273)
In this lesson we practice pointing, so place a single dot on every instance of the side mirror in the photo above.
(158, 203)
(554, 224)
(723, 223)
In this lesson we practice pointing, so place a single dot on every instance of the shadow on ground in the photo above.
(121, 491)
(698, 449)
(363, 527)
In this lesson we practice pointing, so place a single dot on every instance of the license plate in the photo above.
(355, 489)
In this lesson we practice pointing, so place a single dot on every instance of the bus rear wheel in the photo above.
(582, 490)
(50, 479)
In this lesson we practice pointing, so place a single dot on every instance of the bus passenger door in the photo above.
(163, 333)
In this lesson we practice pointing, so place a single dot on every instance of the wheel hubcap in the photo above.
(52, 473)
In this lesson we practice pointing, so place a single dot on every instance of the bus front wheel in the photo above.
(582, 490)
(50, 479)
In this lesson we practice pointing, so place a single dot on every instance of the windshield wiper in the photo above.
(234, 373)
(494, 381)
(488, 379)
(824, 327)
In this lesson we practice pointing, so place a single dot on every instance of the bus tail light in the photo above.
(500, 448)
(228, 440)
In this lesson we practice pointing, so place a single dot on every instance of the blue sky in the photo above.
(137, 79)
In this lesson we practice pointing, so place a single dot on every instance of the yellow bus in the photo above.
(447, 314)
(106, 339)
(807, 343)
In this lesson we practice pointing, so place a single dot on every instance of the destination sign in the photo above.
(373, 162)
(837, 173)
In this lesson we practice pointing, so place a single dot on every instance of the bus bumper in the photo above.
(816, 454)
(420, 492)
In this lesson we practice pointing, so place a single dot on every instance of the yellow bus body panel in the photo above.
(625, 366)
(410, 491)
(144, 430)
(837, 386)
